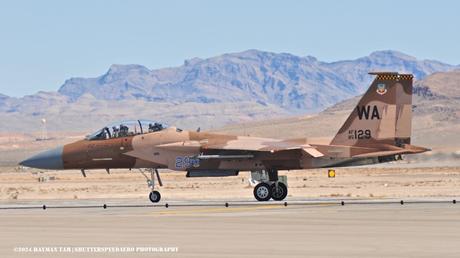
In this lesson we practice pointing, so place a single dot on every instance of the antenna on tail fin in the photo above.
(383, 115)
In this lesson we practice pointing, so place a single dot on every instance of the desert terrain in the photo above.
(403, 180)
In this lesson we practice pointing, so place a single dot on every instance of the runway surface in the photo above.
(303, 228)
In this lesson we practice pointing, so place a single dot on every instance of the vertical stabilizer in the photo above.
(383, 114)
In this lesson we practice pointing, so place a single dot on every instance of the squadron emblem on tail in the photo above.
(381, 88)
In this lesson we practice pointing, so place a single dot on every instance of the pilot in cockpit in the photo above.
(115, 131)
(151, 128)
(123, 131)
(155, 127)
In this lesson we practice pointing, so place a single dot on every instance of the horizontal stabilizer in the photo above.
(380, 153)
(408, 149)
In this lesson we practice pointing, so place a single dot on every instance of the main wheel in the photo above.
(280, 192)
(262, 192)
(155, 196)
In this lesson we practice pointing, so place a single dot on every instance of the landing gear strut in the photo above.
(154, 195)
(269, 188)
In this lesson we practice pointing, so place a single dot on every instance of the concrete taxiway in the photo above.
(318, 228)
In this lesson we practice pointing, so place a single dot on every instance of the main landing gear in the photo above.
(271, 188)
(263, 192)
(154, 195)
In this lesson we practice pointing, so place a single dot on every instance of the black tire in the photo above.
(280, 192)
(155, 196)
(262, 192)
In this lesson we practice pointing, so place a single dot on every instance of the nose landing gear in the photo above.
(154, 195)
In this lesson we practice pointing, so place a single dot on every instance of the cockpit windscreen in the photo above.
(126, 128)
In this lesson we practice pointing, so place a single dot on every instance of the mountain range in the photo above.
(212, 92)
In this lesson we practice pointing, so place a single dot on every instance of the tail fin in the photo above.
(382, 116)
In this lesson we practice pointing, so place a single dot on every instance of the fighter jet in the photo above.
(377, 130)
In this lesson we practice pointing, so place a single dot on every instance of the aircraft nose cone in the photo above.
(50, 159)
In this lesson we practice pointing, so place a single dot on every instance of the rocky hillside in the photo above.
(230, 88)
(355, 71)
(297, 84)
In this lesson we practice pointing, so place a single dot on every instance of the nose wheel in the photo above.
(154, 195)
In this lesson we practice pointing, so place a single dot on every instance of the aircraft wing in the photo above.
(256, 144)
(312, 152)
(217, 148)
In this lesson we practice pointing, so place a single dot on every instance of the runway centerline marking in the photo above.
(213, 209)
(230, 209)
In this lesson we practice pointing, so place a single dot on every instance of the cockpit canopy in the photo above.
(126, 128)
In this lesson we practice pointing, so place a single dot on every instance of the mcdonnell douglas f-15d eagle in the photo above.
(377, 130)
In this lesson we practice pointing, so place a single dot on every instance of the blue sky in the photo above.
(42, 43)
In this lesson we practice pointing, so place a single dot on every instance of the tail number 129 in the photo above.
(359, 134)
